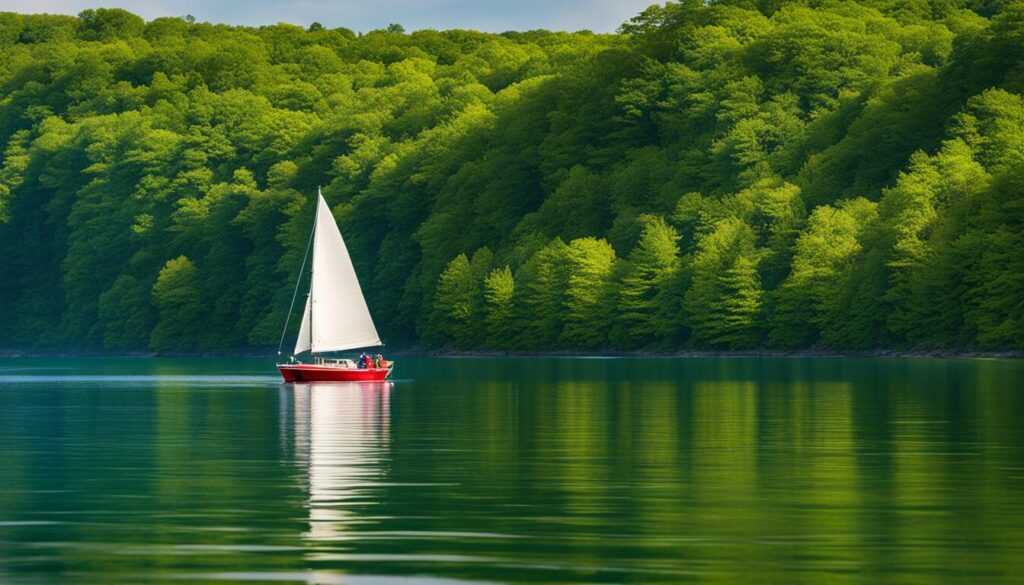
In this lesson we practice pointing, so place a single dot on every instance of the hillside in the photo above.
(734, 174)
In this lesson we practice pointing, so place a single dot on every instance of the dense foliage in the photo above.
(729, 174)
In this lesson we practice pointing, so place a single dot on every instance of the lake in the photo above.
(514, 470)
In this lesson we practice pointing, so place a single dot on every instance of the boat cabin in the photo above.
(336, 362)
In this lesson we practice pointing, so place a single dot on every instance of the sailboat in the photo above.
(336, 317)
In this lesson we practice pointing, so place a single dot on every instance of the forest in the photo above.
(745, 174)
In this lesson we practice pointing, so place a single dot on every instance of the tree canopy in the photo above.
(728, 174)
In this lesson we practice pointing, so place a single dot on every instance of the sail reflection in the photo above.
(341, 437)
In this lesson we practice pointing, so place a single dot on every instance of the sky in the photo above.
(365, 15)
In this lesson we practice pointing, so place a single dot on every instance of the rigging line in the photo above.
(298, 281)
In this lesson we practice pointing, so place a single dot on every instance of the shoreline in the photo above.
(452, 353)
(767, 353)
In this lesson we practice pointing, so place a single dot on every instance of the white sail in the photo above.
(304, 340)
(336, 312)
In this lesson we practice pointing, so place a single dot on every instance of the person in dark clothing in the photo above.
(362, 361)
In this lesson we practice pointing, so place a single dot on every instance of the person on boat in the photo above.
(369, 361)
(362, 361)
(378, 361)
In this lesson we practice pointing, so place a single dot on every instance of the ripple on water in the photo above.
(479, 471)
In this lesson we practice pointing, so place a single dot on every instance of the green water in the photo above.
(717, 470)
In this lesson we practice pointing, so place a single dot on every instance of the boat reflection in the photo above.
(341, 437)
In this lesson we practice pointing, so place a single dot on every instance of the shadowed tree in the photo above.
(724, 301)
(457, 302)
(178, 301)
(654, 262)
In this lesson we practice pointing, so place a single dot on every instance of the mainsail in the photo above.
(336, 317)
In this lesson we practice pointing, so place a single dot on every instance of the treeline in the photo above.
(731, 174)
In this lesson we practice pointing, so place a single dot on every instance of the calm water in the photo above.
(737, 470)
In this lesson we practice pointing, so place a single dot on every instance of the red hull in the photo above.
(320, 373)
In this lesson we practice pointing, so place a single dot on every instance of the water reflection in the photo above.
(341, 437)
(710, 470)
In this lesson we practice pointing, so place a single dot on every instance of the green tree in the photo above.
(589, 294)
(106, 24)
(126, 310)
(179, 302)
(541, 285)
(923, 215)
(806, 302)
(725, 299)
(499, 297)
(457, 304)
(643, 315)
(739, 307)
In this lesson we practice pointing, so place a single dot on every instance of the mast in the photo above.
(312, 263)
